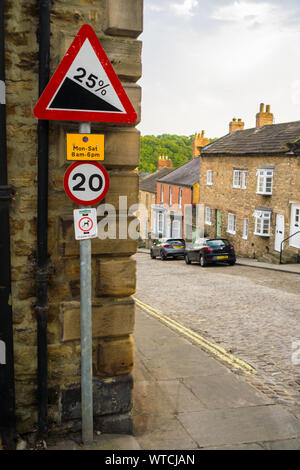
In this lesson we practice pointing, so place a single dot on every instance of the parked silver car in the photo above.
(167, 248)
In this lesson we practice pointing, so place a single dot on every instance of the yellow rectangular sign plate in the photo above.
(85, 147)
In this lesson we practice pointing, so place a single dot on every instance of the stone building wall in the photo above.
(242, 202)
(117, 23)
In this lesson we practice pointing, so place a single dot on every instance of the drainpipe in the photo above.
(7, 382)
(42, 223)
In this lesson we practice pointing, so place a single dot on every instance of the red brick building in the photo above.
(175, 191)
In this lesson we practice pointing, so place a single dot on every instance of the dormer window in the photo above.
(265, 181)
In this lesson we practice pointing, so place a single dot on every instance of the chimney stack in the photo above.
(199, 142)
(236, 125)
(264, 118)
(164, 161)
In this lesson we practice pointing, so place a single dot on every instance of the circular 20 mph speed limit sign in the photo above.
(86, 183)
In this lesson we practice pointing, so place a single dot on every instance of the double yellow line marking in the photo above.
(216, 350)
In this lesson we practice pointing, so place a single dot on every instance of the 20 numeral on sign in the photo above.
(80, 186)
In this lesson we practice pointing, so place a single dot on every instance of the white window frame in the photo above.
(239, 179)
(162, 193)
(160, 222)
(245, 229)
(208, 216)
(170, 195)
(265, 178)
(231, 223)
(262, 226)
(180, 198)
(244, 179)
(209, 177)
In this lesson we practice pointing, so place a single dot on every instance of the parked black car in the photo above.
(167, 248)
(210, 250)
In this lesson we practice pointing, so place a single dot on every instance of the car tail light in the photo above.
(167, 246)
(208, 249)
(232, 248)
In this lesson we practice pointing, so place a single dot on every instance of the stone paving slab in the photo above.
(240, 425)
(162, 433)
(225, 391)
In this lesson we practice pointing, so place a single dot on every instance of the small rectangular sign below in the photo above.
(85, 147)
(85, 223)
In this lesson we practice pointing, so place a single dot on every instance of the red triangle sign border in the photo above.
(41, 112)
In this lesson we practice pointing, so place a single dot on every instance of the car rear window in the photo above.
(176, 242)
(217, 243)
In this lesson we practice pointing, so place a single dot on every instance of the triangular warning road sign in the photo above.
(85, 86)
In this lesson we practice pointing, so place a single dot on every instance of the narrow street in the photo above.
(252, 313)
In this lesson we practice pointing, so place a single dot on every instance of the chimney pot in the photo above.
(236, 125)
(264, 118)
(199, 141)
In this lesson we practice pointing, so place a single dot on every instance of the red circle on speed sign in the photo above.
(86, 183)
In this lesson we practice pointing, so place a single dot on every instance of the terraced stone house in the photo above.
(250, 188)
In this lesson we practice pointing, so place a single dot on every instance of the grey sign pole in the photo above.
(86, 329)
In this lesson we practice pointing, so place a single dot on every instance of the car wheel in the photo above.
(163, 256)
(152, 255)
(187, 260)
(231, 263)
(202, 261)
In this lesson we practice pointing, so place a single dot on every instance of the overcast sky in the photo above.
(205, 62)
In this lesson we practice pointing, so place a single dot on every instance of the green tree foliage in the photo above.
(179, 148)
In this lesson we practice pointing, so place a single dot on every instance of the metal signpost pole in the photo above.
(86, 330)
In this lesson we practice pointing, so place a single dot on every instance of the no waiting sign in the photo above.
(86, 183)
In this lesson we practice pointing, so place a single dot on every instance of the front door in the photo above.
(279, 232)
(176, 228)
(219, 223)
(295, 226)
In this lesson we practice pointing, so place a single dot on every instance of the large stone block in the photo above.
(110, 396)
(121, 148)
(115, 356)
(115, 424)
(124, 18)
(115, 247)
(123, 54)
(122, 184)
(110, 317)
(116, 277)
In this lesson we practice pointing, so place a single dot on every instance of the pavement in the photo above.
(185, 399)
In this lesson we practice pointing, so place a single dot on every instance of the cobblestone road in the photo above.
(252, 313)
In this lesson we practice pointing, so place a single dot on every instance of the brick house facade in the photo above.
(148, 198)
(250, 188)
(174, 192)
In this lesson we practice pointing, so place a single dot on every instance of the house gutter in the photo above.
(7, 381)
(42, 273)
